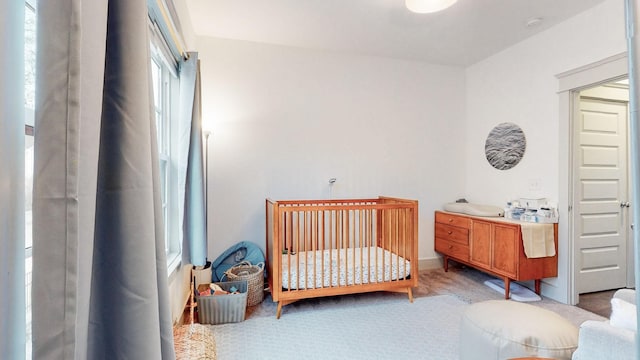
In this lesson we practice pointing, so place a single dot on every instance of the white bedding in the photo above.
(342, 267)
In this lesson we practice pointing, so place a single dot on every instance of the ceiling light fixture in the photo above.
(428, 6)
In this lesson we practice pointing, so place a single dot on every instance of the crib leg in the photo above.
(410, 294)
(279, 310)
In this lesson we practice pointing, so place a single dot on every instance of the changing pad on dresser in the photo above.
(474, 209)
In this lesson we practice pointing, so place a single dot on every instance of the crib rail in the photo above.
(327, 247)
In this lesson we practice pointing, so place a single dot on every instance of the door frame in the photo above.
(570, 84)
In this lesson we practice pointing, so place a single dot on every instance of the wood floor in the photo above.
(597, 302)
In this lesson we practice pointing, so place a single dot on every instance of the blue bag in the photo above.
(242, 251)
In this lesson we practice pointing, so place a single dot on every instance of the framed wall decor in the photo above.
(505, 146)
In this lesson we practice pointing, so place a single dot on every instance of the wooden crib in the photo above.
(334, 247)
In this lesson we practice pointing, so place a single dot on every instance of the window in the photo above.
(166, 95)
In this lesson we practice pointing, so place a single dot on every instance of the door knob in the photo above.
(624, 204)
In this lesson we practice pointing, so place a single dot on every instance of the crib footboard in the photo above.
(334, 247)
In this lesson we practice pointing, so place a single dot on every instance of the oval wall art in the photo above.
(505, 146)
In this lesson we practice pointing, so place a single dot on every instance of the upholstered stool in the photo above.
(503, 329)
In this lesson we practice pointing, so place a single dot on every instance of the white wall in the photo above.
(187, 33)
(285, 120)
(519, 85)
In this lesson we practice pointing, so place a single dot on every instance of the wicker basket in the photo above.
(254, 275)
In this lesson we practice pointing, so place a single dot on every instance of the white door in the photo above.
(600, 194)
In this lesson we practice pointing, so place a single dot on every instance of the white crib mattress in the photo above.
(352, 266)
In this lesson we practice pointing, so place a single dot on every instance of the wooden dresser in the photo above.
(493, 245)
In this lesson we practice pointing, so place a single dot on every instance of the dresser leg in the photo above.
(445, 263)
(507, 287)
(537, 282)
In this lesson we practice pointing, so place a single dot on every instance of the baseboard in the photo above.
(430, 264)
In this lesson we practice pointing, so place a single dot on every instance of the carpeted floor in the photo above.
(465, 283)
(460, 285)
(386, 328)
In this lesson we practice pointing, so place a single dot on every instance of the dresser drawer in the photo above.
(452, 249)
(459, 221)
(452, 233)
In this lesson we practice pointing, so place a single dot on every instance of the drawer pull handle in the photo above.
(450, 247)
(450, 220)
(449, 232)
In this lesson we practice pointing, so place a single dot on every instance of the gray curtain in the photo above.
(12, 305)
(99, 275)
(194, 247)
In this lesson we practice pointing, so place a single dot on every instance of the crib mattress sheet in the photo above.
(342, 267)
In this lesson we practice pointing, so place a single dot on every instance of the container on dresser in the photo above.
(493, 245)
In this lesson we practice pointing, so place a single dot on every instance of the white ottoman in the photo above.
(504, 329)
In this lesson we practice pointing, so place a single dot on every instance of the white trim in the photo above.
(174, 260)
(159, 44)
(569, 85)
(168, 14)
(606, 70)
(430, 264)
(160, 13)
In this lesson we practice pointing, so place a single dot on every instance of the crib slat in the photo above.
(322, 244)
(313, 248)
(355, 246)
(361, 244)
(288, 242)
(372, 276)
(299, 249)
(400, 248)
(339, 239)
(385, 240)
(348, 246)
(371, 243)
(334, 244)
(379, 236)
(404, 243)
(394, 243)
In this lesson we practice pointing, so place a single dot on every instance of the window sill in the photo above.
(173, 262)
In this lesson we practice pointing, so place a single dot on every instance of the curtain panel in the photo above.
(191, 177)
(12, 186)
(99, 275)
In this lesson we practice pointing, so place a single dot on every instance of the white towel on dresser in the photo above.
(538, 240)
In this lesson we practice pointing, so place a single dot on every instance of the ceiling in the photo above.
(467, 32)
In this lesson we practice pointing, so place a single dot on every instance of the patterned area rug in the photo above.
(260, 336)
(387, 328)
(464, 283)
